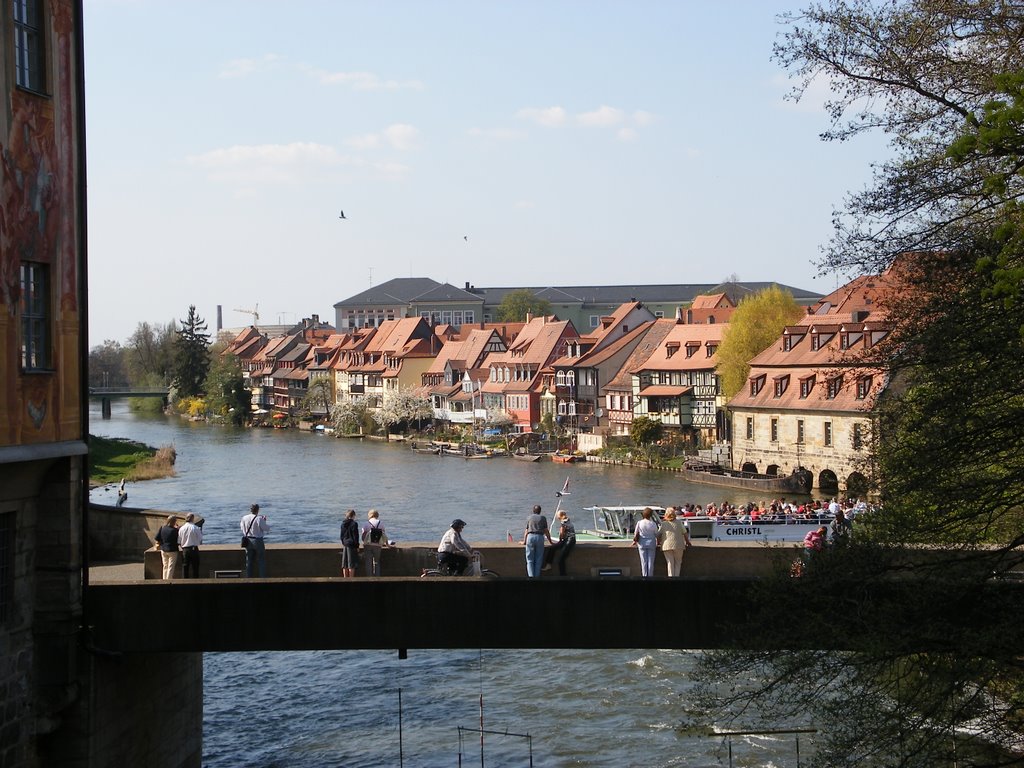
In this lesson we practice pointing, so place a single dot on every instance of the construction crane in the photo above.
(255, 312)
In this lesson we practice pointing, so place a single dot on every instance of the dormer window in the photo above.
(806, 386)
(834, 386)
(781, 384)
(671, 348)
(692, 347)
(863, 387)
(757, 383)
(711, 349)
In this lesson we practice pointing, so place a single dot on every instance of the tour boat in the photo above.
(618, 523)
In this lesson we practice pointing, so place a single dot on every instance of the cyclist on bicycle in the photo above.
(453, 551)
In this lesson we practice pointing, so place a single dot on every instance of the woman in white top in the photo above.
(645, 539)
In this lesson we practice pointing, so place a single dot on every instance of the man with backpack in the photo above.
(374, 540)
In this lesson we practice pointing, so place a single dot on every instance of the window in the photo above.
(775, 430)
(835, 384)
(6, 566)
(35, 316)
(711, 348)
(781, 385)
(468, 316)
(757, 383)
(806, 386)
(692, 347)
(671, 348)
(828, 433)
(799, 430)
(595, 320)
(28, 45)
(863, 387)
(750, 427)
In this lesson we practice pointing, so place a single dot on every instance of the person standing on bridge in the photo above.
(349, 544)
(167, 541)
(674, 538)
(190, 536)
(645, 539)
(254, 528)
(533, 537)
(375, 538)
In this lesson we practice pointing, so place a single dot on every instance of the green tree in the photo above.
(644, 433)
(927, 686)
(754, 326)
(107, 365)
(192, 355)
(319, 398)
(225, 392)
(518, 304)
(149, 354)
(352, 417)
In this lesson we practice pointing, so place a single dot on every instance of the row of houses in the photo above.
(808, 402)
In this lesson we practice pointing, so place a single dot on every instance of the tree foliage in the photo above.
(319, 398)
(192, 355)
(936, 677)
(352, 416)
(107, 365)
(929, 74)
(518, 304)
(644, 431)
(403, 407)
(754, 326)
(225, 393)
(149, 354)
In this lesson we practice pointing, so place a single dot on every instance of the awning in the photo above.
(663, 390)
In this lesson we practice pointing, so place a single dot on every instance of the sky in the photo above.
(543, 143)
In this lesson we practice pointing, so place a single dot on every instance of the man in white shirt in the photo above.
(190, 536)
(454, 549)
(254, 527)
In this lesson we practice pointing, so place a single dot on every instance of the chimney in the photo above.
(529, 317)
(467, 285)
(679, 315)
(220, 317)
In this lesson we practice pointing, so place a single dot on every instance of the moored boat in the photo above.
(713, 474)
(565, 458)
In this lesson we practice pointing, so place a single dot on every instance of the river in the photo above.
(595, 709)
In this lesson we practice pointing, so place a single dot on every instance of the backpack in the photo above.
(376, 534)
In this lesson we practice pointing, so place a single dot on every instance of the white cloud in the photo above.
(603, 115)
(246, 67)
(298, 162)
(364, 81)
(402, 136)
(626, 134)
(365, 141)
(498, 134)
(642, 118)
(550, 116)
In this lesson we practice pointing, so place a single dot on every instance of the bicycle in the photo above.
(475, 568)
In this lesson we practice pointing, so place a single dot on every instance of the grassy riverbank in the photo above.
(110, 459)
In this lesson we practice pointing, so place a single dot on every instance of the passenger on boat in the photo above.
(454, 549)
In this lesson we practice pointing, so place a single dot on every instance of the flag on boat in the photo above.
(565, 489)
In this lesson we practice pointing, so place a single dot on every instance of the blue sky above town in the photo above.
(496, 143)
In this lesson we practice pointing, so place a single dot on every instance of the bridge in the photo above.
(106, 394)
(601, 605)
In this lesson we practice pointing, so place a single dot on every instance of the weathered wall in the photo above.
(123, 533)
(146, 710)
